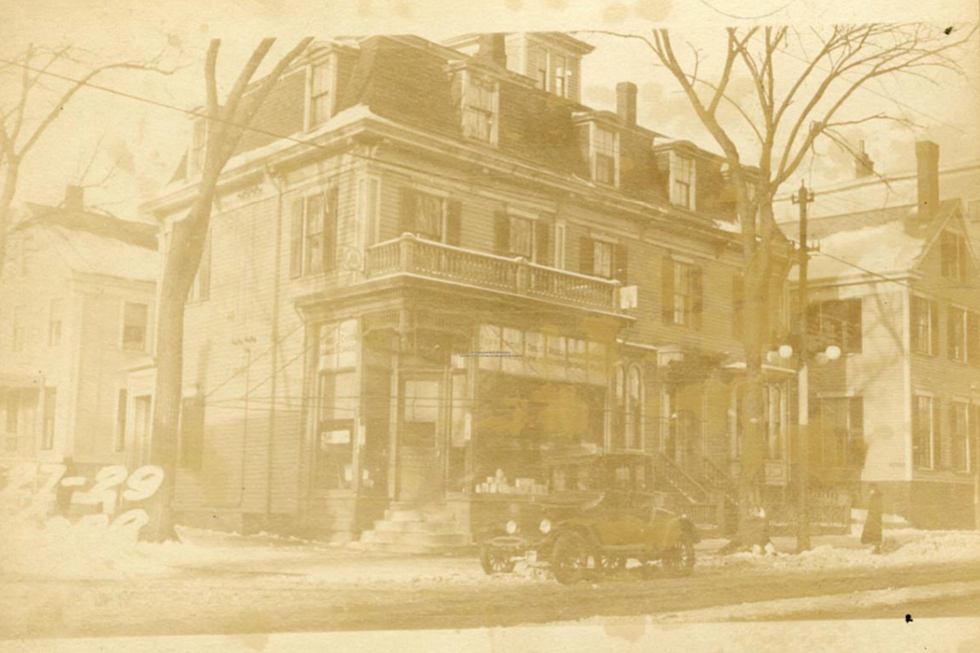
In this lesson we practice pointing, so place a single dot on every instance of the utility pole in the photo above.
(803, 198)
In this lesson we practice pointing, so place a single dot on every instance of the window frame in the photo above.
(917, 399)
(594, 134)
(838, 311)
(491, 86)
(916, 344)
(688, 164)
(146, 328)
(683, 315)
(957, 437)
(828, 433)
(957, 348)
(953, 243)
(330, 64)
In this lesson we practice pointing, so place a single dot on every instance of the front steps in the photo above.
(428, 531)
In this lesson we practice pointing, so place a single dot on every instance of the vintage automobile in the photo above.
(601, 513)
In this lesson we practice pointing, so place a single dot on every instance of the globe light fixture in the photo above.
(785, 351)
(833, 352)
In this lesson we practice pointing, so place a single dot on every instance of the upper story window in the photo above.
(313, 241)
(553, 71)
(924, 327)
(480, 109)
(954, 256)
(135, 321)
(520, 235)
(682, 293)
(199, 142)
(956, 332)
(54, 322)
(682, 181)
(605, 156)
(601, 258)
(958, 425)
(320, 87)
(838, 322)
(926, 432)
(431, 216)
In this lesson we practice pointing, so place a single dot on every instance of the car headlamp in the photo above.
(511, 527)
(545, 526)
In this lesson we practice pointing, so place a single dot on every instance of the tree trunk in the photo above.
(6, 201)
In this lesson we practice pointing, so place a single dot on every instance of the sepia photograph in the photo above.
(410, 325)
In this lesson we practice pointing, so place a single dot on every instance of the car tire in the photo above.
(494, 561)
(569, 558)
(678, 560)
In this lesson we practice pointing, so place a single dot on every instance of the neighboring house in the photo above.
(77, 302)
(458, 273)
(897, 289)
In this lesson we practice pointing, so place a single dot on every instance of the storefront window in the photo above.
(335, 432)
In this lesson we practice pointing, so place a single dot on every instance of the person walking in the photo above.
(872, 524)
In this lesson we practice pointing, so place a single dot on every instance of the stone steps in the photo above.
(425, 531)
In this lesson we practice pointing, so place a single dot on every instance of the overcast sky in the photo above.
(142, 143)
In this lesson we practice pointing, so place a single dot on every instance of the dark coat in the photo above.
(872, 525)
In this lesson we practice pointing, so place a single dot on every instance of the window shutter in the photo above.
(738, 304)
(934, 326)
(697, 290)
(296, 241)
(951, 332)
(204, 271)
(667, 289)
(586, 256)
(454, 223)
(501, 233)
(330, 206)
(542, 246)
(409, 202)
(621, 264)
(963, 259)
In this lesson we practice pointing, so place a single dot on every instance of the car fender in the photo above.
(588, 534)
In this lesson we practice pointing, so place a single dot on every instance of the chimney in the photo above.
(493, 49)
(863, 165)
(75, 198)
(626, 102)
(927, 164)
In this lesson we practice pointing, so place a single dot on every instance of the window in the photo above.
(134, 326)
(191, 431)
(560, 64)
(682, 181)
(521, 237)
(604, 156)
(682, 293)
(119, 442)
(18, 329)
(199, 142)
(560, 245)
(925, 326)
(973, 338)
(837, 322)
(54, 323)
(958, 424)
(925, 432)
(50, 410)
(201, 289)
(957, 328)
(480, 109)
(772, 415)
(314, 234)
(953, 256)
(628, 422)
(600, 258)
(738, 306)
(319, 90)
(839, 440)
(538, 64)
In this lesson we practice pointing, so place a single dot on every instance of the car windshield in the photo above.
(597, 474)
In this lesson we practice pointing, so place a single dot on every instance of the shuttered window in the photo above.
(924, 326)
(682, 293)
(431, 217)
(313, 239)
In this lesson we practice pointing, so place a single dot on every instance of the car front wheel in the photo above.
(678, 560)
(569, 558)
(495, 561)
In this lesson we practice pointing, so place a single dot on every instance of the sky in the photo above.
(126, 149)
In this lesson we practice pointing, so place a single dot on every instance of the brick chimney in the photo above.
(74, 198)
(626, 102)
(493, 49)
(863, 165)
(927, 166)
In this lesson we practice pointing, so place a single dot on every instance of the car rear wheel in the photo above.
(495, 561)
(678, 560)
(569, 558)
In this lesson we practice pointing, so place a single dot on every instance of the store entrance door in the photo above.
(420, 477)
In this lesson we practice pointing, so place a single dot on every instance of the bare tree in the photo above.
(19, 134)
(225, 125)
(786, 116)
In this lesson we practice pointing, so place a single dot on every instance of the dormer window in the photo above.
(319, 90)
(553, 70)
(480, 109)
(605, 156)
(682, 181)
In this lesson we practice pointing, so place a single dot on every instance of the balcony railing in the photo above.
(412, 255)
